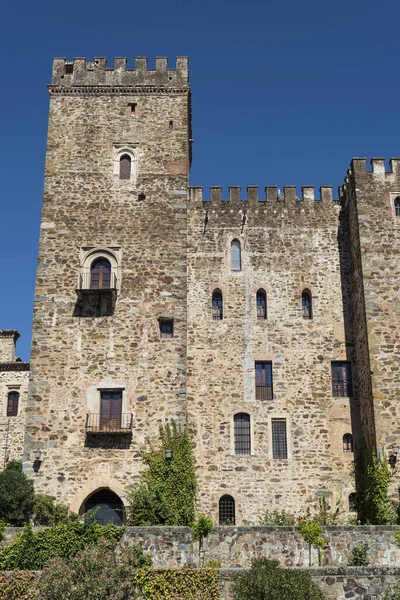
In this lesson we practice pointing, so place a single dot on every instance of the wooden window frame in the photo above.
(13, 403)
(342, 383)
(263, 373)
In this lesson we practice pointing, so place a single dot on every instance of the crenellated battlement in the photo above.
(358, 166)
(271, 194)
(96, 73)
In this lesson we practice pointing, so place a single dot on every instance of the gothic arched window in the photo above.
(100, 274)
(235, 256)
(306, 304)
(242, 439)
(261, 304)
(226, 510)
(397, 206)
(125, 167)
(347, 442)
(217, 305)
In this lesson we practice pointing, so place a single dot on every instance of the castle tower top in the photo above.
(8, 339)
(71, 77)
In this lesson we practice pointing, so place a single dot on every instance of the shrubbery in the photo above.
(178, 584)
(20, 586)
(280, 518)
(267, 581)
(16, 495)
(358, 557)
(47, 512)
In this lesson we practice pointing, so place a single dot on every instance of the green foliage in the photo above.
(99, 572)
(167, 491)
(280, 518)
(178, 584)
(267, 581)
(20, 586)
(396, 535)
(213, 564)
(3, 525)
(358, 557)
(373, 476)
(31, 550)
(311, 530)
(324, 513)
(393, 592)
(47, 513)
(16, 495)
(202, 527)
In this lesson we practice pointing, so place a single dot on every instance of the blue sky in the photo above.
(284, 93)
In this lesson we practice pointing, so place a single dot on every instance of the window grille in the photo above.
(235, 256)
(347, 442)
(166, 329)
(341, 379)
(125, 167)
(306, 304)
(242, 433)
(261, 304)
(217, 305)
(264, 389)
(12, 404)
(279, 439)
(100, 274)
(397, 206)
(107, 508)
(226, 510)
(352, 502)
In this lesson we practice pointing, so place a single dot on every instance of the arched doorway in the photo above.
(107, 508)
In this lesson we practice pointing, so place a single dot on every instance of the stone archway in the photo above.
(105, 506)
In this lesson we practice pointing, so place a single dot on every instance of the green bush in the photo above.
(16, 495)
(47, 512)
(99, 572)
(178, 584)
(31, 550)
(358, 557)
(311, 530)
(267, 581)
(393, 592)
(167, 490)
(20, 586)
(280, 518)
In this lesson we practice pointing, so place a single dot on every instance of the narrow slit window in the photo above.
(132, 107)
(166, 329)
(261, 305)
(397, 206)
(264, 390)
(242, 433)
(236, 256)
(353, 502)
(226, 510)
(306, 304)
(12, 404)
(347, 442)
(171, 125)
(125, 165)
(217, 305)
(279, 438)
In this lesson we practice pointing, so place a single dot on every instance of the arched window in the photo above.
(261, 304)
(107, 508)
(12, 404)
(217, 305)
(226, 510)
(397, 206)
(235, 256)
(125, 167)
(100, 274)
(241, 423)
(347, 442)
(352, 502)
(306, 304)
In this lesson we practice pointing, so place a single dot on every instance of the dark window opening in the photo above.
(306, 304)
(106, 508)
(226, 510)
(125, 166)
(397, 207)
(132, 106)
(279, 438)
(100, 274)
(242, 433)
(217, 305)
(261, 304)
(347, 442)
(12, 404)
(264, 389)
(341, 380)
(69, 68)
(352, 502)
(166, 329)
(171, 125)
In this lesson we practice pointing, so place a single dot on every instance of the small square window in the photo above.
(69, 68)
(166, 329)
(132, 107)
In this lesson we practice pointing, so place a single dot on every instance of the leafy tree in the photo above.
(267, 581)
(167, 490)
(47, 512)
(201, 528)
(16, 495)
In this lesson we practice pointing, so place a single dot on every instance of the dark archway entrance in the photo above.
(107, 507)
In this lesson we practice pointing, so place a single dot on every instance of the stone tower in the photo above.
(111, 280)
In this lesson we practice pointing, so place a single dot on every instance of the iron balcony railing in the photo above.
(343, 388)
(107, 282)
(98, 423)
(264, 392)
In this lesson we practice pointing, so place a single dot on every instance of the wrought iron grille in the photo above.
(242, 433)
(279, 440)
(98, 423)
(397, 206)
(226, 510)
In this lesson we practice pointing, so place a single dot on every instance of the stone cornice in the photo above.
(14, 366)
(9, 333)
(115, 90)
